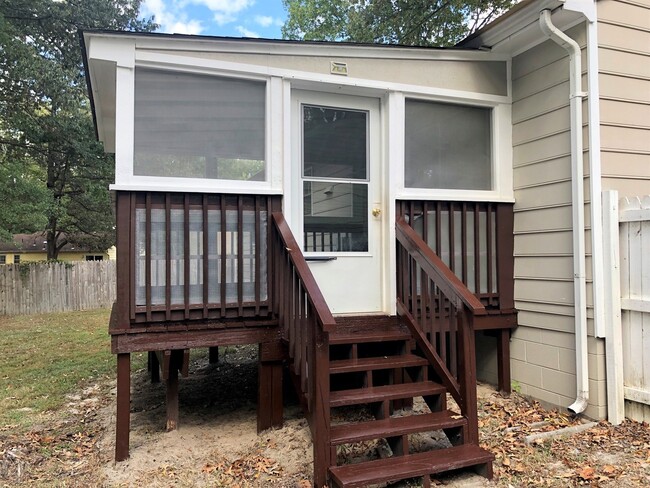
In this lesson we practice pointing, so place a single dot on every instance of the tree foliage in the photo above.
(54, 175)
(407, 22)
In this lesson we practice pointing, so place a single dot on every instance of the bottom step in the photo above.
(412, 465)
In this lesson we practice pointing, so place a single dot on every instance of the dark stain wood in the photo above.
(123, 414)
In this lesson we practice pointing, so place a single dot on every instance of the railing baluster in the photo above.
(204, 254)
(186, 255)
(147, 265)
(257, 257)
(224, 255)
(168, 256)
(240, 255)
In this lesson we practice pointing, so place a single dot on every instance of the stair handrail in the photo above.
(315, 296)
(462, 387)
(306, 321)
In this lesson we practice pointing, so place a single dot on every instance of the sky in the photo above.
(233, 18)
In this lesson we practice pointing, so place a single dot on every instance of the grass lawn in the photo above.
(46, 357)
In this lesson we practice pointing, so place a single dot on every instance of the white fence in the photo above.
(28, 288)
(631, 217)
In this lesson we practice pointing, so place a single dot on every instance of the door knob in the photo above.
(376, 212)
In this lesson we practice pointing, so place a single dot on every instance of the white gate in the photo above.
(634, 263)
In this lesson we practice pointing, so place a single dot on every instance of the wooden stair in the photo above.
(372, 364)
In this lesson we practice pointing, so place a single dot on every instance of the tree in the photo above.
(407, 22)
(59, 172)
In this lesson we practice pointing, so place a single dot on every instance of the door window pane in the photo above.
(199, 126)
(334, 143)
(447, 146)
(335, 216)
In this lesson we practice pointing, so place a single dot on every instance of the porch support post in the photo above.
(213, 355)
(123, 406)
(503, 360)
(269, 392)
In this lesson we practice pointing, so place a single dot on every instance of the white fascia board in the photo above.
(118, 49)
(520, 32)
(303, 78)
(333, 49)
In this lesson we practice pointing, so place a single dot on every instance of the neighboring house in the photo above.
(431, 192)
(33, 247)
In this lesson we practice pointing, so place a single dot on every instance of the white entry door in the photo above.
(336, 197)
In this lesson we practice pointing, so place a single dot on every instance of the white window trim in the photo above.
(501, 146)
(125, 179)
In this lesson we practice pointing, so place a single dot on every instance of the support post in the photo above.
(503, 361)
(269, 392)
(122, 425)
(172, 398)
(213, 355)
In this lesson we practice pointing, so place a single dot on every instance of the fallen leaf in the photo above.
(586, 473)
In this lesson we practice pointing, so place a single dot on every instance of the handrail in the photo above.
(306, 321)
(439, 311)
(433, 266)
(314, 295)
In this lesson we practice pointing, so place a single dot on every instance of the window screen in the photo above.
(447, 146)
(199, 126)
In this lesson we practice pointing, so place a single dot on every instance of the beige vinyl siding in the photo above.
(543, 347)
(624, 78)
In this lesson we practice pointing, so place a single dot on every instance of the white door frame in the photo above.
(355, 282)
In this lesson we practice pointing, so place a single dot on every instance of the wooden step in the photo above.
(359, 396)
(358, 337)
(394, 426)
(374, 363)
(411, 465)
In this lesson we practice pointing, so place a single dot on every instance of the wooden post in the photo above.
(503, 360)
(154, 367)
(467, 374)
(213, 355)
(123, 406)
(320, 414)
(613, 323)
(172, 397)
(269, 391)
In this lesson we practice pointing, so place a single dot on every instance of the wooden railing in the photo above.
(439, 310)
(475, 241)
(186, 256)
(306, 321)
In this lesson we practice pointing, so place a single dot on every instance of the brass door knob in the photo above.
(376, 212)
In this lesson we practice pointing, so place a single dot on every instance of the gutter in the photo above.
(577, 204)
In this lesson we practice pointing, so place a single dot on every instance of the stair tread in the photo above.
(410, 465)
(364, 336)
(394, 426)
(373, 363)
(388, 392)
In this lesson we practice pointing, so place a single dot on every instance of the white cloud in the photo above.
(264, 20)
(170, 18)
(246, 32)
(224, 6)
(190, 27)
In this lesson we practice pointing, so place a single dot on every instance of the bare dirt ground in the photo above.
(217, 445)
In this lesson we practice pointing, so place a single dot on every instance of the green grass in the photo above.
(45, 357)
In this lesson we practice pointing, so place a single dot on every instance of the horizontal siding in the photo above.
(543, 347)
(624, 78)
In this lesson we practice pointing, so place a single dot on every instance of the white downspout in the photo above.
(579, 274)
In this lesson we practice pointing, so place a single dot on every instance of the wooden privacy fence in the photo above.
(628, 340)
(28, 288)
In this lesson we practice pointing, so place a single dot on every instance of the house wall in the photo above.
(543, 347)
(624, 78)
(476, 76)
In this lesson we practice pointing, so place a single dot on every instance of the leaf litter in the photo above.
(217, 445)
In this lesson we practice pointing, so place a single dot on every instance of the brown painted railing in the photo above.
(439, 310)
(185, 256)
(474, 240)
(306, 321)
